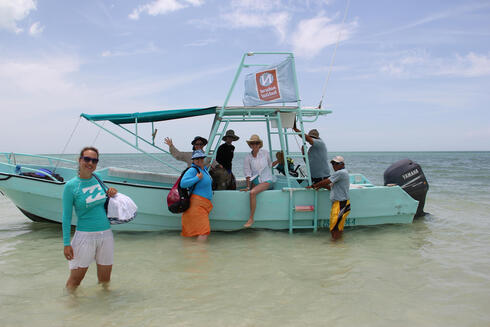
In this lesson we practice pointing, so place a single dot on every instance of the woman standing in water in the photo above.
(93, 238)
(195, 220)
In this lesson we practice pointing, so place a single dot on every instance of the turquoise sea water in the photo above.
(434, 272)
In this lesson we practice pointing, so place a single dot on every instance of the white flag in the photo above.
(271, 85)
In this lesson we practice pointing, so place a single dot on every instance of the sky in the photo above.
(406, 75)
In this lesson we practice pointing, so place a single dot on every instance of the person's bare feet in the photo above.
(336, 234)
(202, 238)
(249, 223)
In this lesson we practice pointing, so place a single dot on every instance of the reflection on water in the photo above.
(382, 274)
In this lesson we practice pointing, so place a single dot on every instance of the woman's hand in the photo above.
(168, 141)
(111, 192)
(199, 175)
(68, 252)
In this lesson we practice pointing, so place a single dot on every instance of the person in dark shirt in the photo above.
(223, 178)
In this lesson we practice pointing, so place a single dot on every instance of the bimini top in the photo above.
(151, 116)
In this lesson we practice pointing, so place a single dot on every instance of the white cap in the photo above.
(338, 159)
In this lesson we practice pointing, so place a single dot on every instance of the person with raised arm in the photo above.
(198, 143)
(317, 155)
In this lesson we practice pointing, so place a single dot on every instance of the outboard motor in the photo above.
(410, 177)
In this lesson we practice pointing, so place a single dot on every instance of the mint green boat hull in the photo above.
(370, 205)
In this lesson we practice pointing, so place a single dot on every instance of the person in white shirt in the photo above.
(258, 172)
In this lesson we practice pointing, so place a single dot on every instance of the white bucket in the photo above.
(287, 120)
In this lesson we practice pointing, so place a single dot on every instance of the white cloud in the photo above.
(446, 14)
(244, 19)
(36, 29)
(471, 65)
(259, 5)
(257, 14)
(201, 43)
(13, 11)
(418, 64)
(36, 77)
(151, 48)
(313, 35)
(161, 7)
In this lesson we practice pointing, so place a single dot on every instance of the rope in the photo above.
(333, 56)
(98, 133)
(64, 149)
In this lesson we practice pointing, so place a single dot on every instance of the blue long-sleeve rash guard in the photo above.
(202, 187)
(88, 198)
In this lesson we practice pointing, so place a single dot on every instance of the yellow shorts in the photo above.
(338, 214)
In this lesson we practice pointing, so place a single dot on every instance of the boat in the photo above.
(36, 188)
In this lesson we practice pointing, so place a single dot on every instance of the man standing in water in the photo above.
(338, 184)
(317, 155)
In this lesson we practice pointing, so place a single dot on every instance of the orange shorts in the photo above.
(195, 220)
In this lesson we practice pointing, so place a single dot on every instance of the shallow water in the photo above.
(434, 272)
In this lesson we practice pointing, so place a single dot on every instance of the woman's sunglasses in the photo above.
(88, 159)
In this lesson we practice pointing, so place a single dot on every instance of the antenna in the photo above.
(333, 56)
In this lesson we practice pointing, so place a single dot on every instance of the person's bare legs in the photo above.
(336, 234)
(104, 275)
(253, 201)
(75, 278)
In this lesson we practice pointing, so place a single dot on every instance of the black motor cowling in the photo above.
(410, 177)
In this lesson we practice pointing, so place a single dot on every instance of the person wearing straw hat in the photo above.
(223, 178)
(198, 143)
(317, 155)
(195, 220)
(258, 173)
(338, 184)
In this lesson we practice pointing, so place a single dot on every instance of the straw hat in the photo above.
(230, 133)
(255, 139)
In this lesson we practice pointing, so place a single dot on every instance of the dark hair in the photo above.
(87, 148)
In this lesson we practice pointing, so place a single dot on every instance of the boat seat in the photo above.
(137, 175)
(282, 182)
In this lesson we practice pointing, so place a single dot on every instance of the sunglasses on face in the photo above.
(198, 144)
(254, 143)
(88, 159)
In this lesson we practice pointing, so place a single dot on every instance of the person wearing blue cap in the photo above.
(195, 220)
(198, 143)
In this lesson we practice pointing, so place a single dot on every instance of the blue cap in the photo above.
(196, 154)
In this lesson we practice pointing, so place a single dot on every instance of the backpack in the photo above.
(179, 199)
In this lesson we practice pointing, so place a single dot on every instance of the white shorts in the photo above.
(90, 246)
